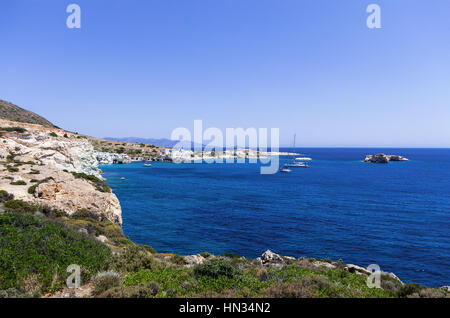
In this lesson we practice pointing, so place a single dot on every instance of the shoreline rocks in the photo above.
(271, 259)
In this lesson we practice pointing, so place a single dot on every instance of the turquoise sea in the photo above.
(396, 215)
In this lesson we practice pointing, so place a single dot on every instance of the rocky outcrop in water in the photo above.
(54, 168)
(382, 158)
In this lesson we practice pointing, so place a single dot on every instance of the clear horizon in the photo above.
(144, 68)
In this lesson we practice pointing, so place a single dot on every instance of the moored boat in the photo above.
(284, 169)
(296, 165)
(303, 159)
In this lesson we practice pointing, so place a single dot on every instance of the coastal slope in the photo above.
(53, 168)
(15, 113)
(55, 211)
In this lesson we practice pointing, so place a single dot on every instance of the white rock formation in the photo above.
(192, 260)
(269, 257)
(382, 158)
(38, 156)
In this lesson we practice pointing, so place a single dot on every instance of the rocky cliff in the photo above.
(51, 167)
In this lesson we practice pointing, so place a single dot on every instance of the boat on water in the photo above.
(285, 170)
(147, 165)
(122, 178)
(296, 165)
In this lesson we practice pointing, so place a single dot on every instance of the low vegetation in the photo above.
(130, 148)
(15, 113)
(32, 189)
(13, 129)
(12, 169)
(19, 182)
(36, 252)
(5, 196)
(37, 244)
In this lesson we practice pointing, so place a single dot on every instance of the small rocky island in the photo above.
(382, 158)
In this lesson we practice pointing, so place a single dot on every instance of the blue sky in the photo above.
(311, 68)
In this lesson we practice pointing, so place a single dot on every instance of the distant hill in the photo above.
(13, 112)
(164, 142)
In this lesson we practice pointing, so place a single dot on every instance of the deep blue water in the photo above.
(394, 215)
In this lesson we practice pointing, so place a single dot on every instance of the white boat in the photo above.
(284, 169)
(147, 165)
(296, 165)
(303, 159)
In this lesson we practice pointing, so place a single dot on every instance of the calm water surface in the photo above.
(394, 215)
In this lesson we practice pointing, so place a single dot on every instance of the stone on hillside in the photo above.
(356, 269)
(102, 238)
(269, 257)
(192, 260)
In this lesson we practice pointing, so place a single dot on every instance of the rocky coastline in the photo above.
(50, 181)
(54, 168)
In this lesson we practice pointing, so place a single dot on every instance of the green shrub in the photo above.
(166, 277)
(19, 182)
(148, 249)
(205, 254)
(20, 206)
(408, 289)
(66, 136)
(11, 157)
(32, 189)
(53, 134)
(87, 214)
(230, 255)
(215, 268)
(52, 212)
(23, 207)
(141, 291)
(13, 129)
(178, 259)
(105, 281)
(12, 169)
(133, 258)
(305, 287)
(35, 253)
(14, 293)
(5, 196)
(433, 293)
